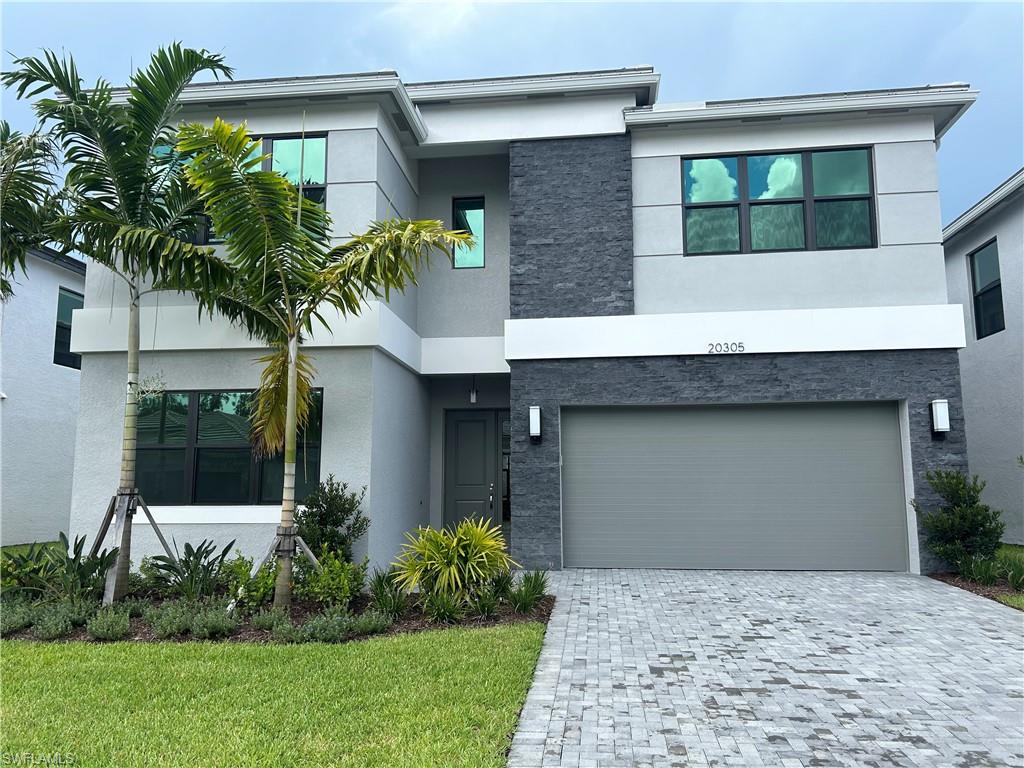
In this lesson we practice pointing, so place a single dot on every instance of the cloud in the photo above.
(784, 179)
(711, 181)
(426, 24)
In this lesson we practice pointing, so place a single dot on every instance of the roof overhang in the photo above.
(997, 196)
(69, 263)
(945, 103)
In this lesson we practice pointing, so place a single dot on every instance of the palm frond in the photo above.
(269, 412)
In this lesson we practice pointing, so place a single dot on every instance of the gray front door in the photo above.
(807, 486)
(471, 459)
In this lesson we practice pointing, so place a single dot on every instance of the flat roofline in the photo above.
(946, 103)
(989, 202)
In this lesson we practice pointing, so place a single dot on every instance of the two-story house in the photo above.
(985, 271)
(708, 335)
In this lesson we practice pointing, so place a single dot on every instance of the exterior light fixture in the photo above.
(535, 422)
(940, 416)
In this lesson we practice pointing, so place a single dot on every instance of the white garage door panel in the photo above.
(764, 487)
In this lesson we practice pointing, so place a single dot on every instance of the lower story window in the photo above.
(194, 448)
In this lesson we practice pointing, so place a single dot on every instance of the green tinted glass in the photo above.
(777, 227)
(842, 223)
(287, 157)
(985, 267)
(712, 230)
(468, 215)
(840, 172)
(224, 417)
(711, 180)
(67, 302)
(163, 419)
(775, 176)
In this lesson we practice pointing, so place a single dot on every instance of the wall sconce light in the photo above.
(535, 422)
(472, 391)
(940, 416)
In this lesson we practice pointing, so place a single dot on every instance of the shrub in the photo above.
(962, 528)
(386, 596)
(485, 603)
(79, 611)
(51, 623)
(370, 623)
(135, 606)
(269, 618)
(331, 517)
(983, 571)
(328, 627)
(457, 562)
(444, 607)
(1014, 576)
(194, 575)
(61, 572)
(286, 632)
(502, 583)
(528, 594)
(170, 619)
(337, 581)
(151, 580)
(250, 591)
(15, 615)
(212, 622)
(22, 571)
(109, 623)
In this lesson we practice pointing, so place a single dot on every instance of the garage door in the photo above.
(815, 487)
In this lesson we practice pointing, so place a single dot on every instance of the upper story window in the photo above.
(67, 302)
(194, 448)
(468, 215)
(786, 201)
(987, 290)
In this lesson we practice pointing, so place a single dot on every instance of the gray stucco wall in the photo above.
(466, 302)
(992, 368)
(917, 376)
(345, 376)
(571, 227)
(37, 417)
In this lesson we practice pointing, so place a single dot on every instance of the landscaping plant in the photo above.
(985, 571)
(385, 595)
(456, 562)
(502, 583)
(22, 571)
(110, 623)
(962, 528)
(532, 588)
(337, 581)
(212, 622)
(484, 603)
(171, 619)
(443, 607)
(268, 618)
(249, 590)
(194, 574)
(51, 622)
(332, 518)
(15, 615)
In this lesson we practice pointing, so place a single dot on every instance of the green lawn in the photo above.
(439, 698)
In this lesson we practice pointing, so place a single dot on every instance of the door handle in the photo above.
(490, 498)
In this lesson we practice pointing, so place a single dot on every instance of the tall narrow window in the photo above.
(67, 302)
(468, 215)
(842, 198)
(712, 192)
(987, 289)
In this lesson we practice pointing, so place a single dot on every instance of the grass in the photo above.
(1014, 552)
(446, 697)
(1015, 600)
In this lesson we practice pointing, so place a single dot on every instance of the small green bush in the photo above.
(80, 610)
(51, 623)
(502, 584)
(136, 584)
(56, 571)
(212, 623)
(484, 603)
(328, 627)
(15, 615)
(962, 528)
(528, 594)
(386, 596)
(109, 623)
(984, 571)
(268, 618)
(194, 573)
(250, 591)
(286, 632)
(171, 619)
(331, 518)
(370, 623)
(336, 583)
(1014, 576)
(135, 606)
(444, 607)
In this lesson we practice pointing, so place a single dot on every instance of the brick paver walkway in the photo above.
(729, 668)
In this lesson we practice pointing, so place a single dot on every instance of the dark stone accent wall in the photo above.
(571, 227)
(917, 376)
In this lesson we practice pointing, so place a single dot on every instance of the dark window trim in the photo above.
(191, 446)
(483, 207)
(977, 294)
(743, 204)
(70, 359)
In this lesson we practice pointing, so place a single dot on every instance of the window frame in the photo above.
(192, 446)
(807, 201)
(483, 207)
(73, 357)
(975, 293)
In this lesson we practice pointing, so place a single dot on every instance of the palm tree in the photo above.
(285, 276)
(128, 205)
(26, 198)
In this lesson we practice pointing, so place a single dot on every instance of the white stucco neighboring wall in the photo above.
(992, 368)
(38, 409)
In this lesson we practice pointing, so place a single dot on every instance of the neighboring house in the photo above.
(699, 335)
(39, 378)
(985, 273)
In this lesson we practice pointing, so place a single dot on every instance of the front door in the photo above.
(472, 456)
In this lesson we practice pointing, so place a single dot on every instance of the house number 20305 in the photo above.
(724, 347)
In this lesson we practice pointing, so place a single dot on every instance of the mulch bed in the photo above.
(301, 611)
(993, 592)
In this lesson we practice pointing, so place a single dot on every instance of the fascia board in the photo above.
(998, 195)
(539, 86)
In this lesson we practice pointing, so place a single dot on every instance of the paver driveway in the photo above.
(697, 668)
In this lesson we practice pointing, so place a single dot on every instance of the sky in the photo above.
(703, 51)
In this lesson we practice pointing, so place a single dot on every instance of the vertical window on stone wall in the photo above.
(468, 216)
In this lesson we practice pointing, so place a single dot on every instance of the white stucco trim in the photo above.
(913, 548)
(466, 354)
(262, 514)
(785, 330)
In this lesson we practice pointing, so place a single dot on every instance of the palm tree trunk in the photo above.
(119, 587)
(283, 587)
